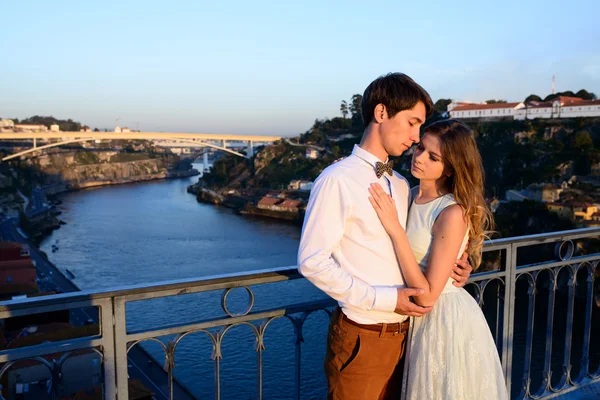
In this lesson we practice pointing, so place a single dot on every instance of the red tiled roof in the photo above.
(17, 264)
(565, 102)
(582, 103)
(471, 107)
(568, 99)
(268, 201)
(289, 203)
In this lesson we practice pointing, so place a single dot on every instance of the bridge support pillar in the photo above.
(205, 161)
(250, 151)
(34, 143)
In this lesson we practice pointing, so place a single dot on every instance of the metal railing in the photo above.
(562, 266)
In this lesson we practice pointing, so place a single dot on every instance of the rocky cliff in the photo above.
(82, 169)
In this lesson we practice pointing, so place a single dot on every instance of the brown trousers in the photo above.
(363, 364)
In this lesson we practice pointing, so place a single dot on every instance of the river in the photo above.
(156, 231)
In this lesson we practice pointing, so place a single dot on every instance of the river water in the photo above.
(156, 231)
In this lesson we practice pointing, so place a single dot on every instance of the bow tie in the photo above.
(381, 168)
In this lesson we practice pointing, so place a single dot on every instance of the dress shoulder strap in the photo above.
(443, 203)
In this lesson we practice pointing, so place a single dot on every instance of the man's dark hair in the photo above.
(397, 92)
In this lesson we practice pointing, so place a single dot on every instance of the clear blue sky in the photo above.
(273, 67)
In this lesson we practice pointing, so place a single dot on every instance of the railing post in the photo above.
(509, 313)
(585, 351)
(298, 366)
(547, 373)
(122, 364)
(170, 354)
(569, 330)
(108, 336)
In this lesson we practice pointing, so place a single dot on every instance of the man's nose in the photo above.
(415, 137)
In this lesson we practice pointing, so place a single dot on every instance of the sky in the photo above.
(273, 67)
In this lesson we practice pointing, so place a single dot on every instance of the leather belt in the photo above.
(400, 327)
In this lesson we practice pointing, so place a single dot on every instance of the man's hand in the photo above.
(461, 271)
(406, 307)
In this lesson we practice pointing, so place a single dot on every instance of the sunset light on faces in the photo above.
(427, 162)
(402, 130)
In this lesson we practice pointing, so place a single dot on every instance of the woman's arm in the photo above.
(448, 232)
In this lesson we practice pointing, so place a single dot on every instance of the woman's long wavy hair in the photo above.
(462, 159)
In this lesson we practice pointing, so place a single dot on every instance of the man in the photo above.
(346, 252)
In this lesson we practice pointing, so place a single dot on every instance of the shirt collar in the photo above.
(366, 156)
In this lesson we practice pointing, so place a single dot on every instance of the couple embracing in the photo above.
(395, 258)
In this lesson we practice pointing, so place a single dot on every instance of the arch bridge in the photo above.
(45, 140)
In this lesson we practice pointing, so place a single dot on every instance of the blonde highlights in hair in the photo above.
(462, 158)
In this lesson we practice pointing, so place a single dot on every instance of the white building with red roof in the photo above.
(572, 107)
(560, 107)
(479, 111)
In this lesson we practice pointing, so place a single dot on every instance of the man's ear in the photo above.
(380, 113)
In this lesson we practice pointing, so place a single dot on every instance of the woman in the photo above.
(451, 353)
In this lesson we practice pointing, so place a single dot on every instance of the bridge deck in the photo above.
(136, 135)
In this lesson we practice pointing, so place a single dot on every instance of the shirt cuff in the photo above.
(385, 298)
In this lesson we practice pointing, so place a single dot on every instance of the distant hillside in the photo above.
(518, 153)
(65, 125)
(274, 166)
(515, 154)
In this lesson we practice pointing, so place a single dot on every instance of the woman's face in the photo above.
(427, 161)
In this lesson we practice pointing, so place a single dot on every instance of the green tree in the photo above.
(585, 95)
(65, 125)
(533, 97)
(336, 151)
(492, 101)
(567, 93)
(96, 130)
(344, 108)
(441, 105)
(582, 141)
(356, 109)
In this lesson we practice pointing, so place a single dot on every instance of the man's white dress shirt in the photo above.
(344, 250)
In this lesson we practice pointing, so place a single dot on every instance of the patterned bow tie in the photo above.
(381, 168)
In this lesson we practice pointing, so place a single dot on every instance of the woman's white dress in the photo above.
(450, 353)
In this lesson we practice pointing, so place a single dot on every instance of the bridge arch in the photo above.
(202, 144)
(47, 146)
